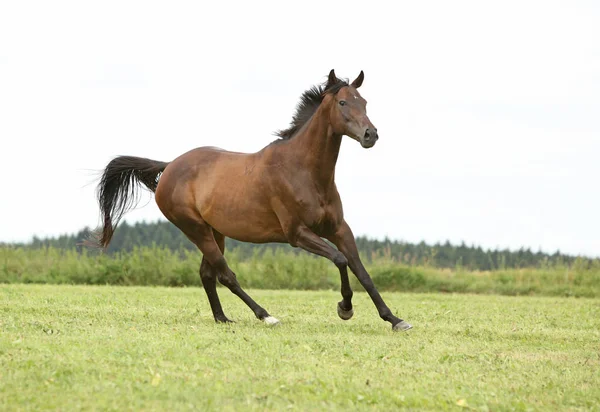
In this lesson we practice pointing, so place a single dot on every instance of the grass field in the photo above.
(136, 348)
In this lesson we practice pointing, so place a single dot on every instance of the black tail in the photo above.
(117, 194)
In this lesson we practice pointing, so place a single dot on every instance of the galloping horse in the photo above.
(284, 193)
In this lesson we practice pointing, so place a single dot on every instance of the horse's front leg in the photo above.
(344, 240)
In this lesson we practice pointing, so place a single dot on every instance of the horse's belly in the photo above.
(244, 222)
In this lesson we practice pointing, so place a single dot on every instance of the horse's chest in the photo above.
(320, 216)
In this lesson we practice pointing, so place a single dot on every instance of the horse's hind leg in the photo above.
(202, 236)
(214, 266)
(229, 279)
(209, 281)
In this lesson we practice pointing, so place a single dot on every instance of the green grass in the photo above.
(136, 348)
(156, 266)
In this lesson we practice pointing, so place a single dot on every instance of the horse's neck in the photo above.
(317, 148)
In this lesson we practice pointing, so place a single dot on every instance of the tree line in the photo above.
(440, 255)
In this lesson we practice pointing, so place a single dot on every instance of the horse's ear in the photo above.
(332, 78)
(358, 81)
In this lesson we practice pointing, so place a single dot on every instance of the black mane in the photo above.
(308, 105)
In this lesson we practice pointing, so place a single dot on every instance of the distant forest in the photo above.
(445, 255)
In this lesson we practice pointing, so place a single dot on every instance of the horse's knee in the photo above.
(205, 270)
(340, 260)
(227, 278)
(214, 265)
(212, 270)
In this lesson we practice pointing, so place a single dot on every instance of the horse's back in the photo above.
(202, 163)
(204, 153)
(214, 149)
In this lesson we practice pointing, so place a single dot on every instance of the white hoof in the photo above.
(401, 326)
(270, 320)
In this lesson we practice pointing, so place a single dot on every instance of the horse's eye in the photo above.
(342, 102)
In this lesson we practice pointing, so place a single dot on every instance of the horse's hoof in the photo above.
(271, 321)
(402, 326)
(345, 314)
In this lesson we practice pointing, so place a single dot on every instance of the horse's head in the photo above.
(348, 115)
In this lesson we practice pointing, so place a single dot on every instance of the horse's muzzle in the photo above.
(369, 139)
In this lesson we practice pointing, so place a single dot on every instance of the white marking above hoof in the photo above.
(270, 320)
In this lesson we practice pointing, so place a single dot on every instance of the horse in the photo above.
(284, 193)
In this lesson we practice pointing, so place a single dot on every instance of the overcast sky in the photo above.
(488, 112)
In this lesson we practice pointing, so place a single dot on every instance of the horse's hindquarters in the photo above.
(224, 189)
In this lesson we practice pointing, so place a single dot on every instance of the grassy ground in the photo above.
(135, 348)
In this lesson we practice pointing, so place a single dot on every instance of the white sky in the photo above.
(488, 113)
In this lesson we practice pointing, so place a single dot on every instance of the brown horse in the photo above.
(284, 193)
